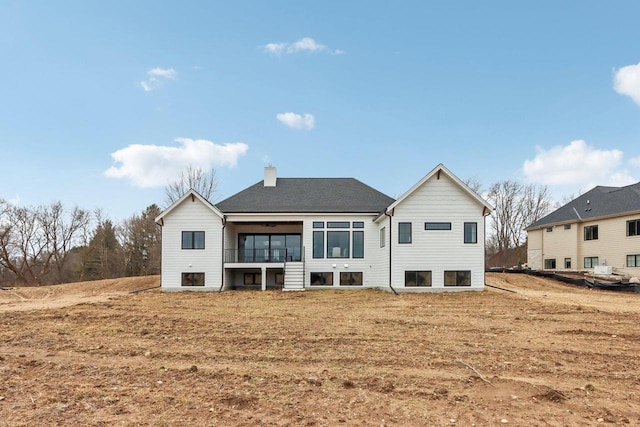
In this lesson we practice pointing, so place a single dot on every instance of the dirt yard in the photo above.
(94, 354)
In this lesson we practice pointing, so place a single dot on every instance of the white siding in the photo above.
(191, 216)
(439, 200)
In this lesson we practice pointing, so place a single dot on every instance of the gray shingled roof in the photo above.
(598, 202)
(307, 195)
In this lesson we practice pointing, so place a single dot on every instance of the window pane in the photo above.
(198, 240)
(350, 278)
(358, 224)
(322, 279)
(449, 278)
(383, 237)
(404, 232)
(192, 279)
(631, 261)
(187, 240)
(424, 278)
(337, 244)
(457, 278)
(338, 224)
(294, 247)
(358, 244)
(410, 278)
(437, 226)
(318, 224)
(471, 232)
(318, 244)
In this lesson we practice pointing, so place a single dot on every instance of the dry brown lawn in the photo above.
(94, 354)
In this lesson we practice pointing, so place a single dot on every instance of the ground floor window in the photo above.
(192, 279)
(590, 261)
(567, 263)
(457, 278)
(253, 278)
(350, 278)
(633, 260)
(417, 278)
(338, 244)
(550, 264)
(322, 279)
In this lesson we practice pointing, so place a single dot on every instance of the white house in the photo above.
(304, 233)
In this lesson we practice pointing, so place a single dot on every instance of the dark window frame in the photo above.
(256, 279)
(318, 224)
(567, 263)
(567, 226)
(636, 260)
(437, 226)
(405, 236)
(357, 224)
(357, 252)
(591, 259)
(191, 243)
(414, 276)
(338, 224)
(549, 229)
(474, 233)
(633, 228)
(550, 264)
(351, 280)
(462, 277)
(324, 277)
(318, 245)
(192, 279)
(591, 232)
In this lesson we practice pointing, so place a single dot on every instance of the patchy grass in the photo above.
(546, 355)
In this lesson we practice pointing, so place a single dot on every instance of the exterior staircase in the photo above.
(293, 276)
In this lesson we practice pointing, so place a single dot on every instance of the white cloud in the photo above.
(626, 81)
(157, 77)
(305, 44)
(577, 163)
(635, 161)
(155, 166)
(296, 121)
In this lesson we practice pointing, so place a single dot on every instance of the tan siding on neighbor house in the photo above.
(560, 244)
(613, 244)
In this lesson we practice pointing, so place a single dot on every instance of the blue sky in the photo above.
(102, 102)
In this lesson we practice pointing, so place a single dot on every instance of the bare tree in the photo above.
(204, 183)
(474, 184)
(515, 206)
(35, 242)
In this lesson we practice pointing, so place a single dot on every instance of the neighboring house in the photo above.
(598, 231)
(297, 233)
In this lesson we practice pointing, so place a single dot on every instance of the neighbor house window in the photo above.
(358, 244)
(633, 260)
(383, 237)
(591, 232)
(633, 227)
(549, 229)
(567, 226)
(350, 278)
(437, 226)
(567, 263)
(193, 240)
(417, 278)
(590, 261)
(550, 264)
(457, 278)
(404, 232)
(192, 279)
(322, 279)
(337, 244)
(471, 232)
(318, 244)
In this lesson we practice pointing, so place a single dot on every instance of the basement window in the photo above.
(457, 278)
(417, 278)
(192, 279)
(322, 279)
(550, 264)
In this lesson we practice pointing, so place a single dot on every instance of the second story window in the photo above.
(591, 232)
(633, 227)
(404, 232)
(193, 240)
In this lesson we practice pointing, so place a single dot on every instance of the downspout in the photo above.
(224, 225)
(390, 246)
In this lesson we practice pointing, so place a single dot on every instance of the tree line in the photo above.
(53, 244)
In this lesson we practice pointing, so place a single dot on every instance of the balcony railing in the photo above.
(262, 255)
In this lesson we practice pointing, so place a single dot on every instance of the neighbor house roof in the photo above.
(595, 203)
(307, 195)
